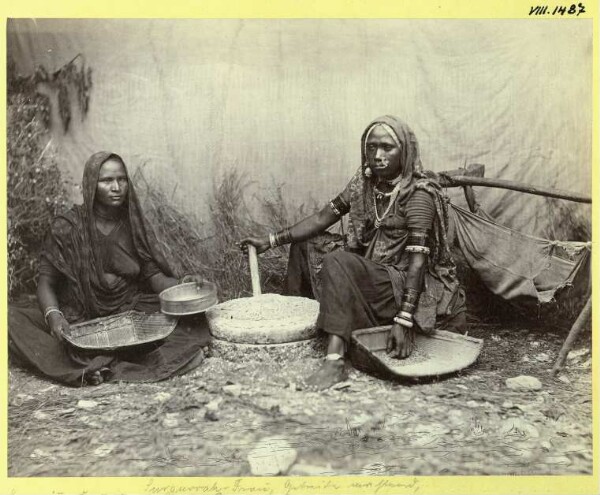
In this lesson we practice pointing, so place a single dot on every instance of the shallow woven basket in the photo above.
(439, 354)
(122, 330)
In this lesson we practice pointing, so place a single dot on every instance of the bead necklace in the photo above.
(393, 194)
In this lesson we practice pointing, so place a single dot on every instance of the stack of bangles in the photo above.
(280, 238)
(410, 297)
(51, 309)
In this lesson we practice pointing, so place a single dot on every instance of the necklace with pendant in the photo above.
(393, 194)
(380, 194)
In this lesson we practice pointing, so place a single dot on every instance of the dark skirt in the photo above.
(32, 346)
(355, 292)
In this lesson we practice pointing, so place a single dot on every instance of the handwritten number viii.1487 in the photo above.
(557, 10)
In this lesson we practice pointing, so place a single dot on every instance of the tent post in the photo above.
(576, 329)
(471, 200)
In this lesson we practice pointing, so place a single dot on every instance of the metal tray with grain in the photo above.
(188, 299)
(121, 330)
(439, 354)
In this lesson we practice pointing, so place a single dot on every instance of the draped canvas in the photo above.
(512, 264)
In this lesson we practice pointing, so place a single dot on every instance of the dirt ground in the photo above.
(469, 423)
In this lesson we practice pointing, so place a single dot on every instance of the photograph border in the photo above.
(290, 9)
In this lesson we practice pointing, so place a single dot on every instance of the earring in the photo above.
(368, 172)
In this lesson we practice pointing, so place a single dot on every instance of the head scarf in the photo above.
(411, 176)
(72, 248)
(362, 184)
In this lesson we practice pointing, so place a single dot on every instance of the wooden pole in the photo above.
(462, 180)
(254, 273)
(576, 329)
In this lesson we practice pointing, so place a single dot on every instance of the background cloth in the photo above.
(287, 100)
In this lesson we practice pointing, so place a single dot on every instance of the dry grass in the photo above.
(211, 250)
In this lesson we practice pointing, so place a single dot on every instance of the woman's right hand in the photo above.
(58, 325)
(260, 243)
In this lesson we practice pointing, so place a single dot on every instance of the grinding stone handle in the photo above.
(254, 274)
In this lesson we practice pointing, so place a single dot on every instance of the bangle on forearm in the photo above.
(408, 306)
(51, 309)
(410, 296)
(280, 238)
(272, 240)
(402, 321)
(283, 237)
(405, 315)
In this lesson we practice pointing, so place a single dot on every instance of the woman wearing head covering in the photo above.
(98, 259)
(395, 266)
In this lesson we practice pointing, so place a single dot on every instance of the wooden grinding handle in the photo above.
(254, 274)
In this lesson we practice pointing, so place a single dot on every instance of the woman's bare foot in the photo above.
(97, 377)
(330, 373)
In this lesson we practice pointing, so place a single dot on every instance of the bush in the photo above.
(37, 190)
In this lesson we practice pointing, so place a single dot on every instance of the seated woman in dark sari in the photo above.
(393, 268)
(98, 259)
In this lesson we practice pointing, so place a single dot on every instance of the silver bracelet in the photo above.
(403, 322)
(272, 240)
(51, 309)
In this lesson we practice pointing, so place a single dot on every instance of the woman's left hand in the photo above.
(401, 341)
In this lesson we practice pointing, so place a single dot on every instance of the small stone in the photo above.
(542, 357)
(525, 359)
(546, 445)
(564, 379)
(523, 382)
(214, 405)
(309, 412)
(292, 386)
(87, 404)
(472, 404)
(271, 456)
(211, 415)
(586, 364)
(534, 344)
(104, 450)
(577, 354)
(507, 404)
(234, 390)
(162, 396)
